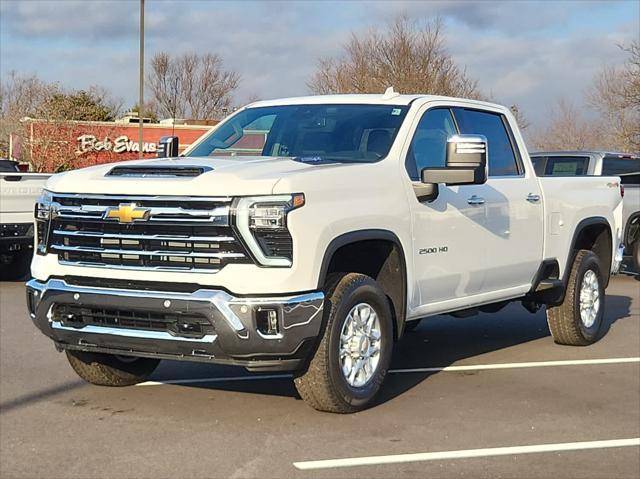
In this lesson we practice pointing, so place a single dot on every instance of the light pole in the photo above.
(141, 82)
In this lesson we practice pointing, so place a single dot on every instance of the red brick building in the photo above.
(56, 146)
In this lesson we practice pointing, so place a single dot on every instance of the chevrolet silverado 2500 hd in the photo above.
(602, 163)
(307, 234)
(18, 194)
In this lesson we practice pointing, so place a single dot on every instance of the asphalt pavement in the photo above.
(461, 391)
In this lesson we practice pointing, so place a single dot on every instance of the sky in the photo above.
(528, 53)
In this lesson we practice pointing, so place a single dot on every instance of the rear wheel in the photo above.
(577, 320)
(110, 370)
(635, 253)
(354, 353)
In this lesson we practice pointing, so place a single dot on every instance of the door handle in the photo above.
(531, 198)
(475, 200)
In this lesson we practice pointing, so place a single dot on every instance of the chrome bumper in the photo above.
(234, 336)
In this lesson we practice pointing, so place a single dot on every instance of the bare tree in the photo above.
(521, 119)
(191, 85)
(20, 96)
(409, 55)
(615, 95)
(568, 130)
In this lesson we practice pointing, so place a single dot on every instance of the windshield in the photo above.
(354, 133)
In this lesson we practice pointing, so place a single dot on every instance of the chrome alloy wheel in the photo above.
(589, 298)
(360, 342)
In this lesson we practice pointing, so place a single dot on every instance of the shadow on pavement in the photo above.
(36, 396)
(438, 341)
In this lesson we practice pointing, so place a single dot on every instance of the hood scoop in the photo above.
(183, 171)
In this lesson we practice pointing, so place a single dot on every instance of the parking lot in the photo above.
(459, 389)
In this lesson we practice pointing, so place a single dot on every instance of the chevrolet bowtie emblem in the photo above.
(127, 213)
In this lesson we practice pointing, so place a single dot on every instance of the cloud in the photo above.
(523, 52)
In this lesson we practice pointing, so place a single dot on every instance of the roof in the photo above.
(366, 99)
(583, 152)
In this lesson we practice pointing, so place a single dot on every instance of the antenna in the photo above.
(390, 93)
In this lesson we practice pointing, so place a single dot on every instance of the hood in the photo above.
(184, 176)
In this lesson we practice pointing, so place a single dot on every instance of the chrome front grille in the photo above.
(144, 232)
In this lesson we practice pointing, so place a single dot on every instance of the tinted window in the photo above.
(621, 167)
(352, 133)
(502, 160)
(7, 166)
(539, 163)
(566, 166)
(429, 145)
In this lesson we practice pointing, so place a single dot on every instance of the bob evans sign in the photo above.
(122, 144)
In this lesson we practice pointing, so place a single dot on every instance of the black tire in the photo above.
(565, 321)
(323, 385)
(109, 370)
(16, 265)
(635, 254)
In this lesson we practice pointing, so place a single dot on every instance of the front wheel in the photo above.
(110, 370)
(577, 321)
(354, 353)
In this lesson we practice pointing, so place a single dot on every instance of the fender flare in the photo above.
(582, 225)
(366, 235)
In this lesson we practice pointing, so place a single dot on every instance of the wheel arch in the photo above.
(634, 218)
(593, 234)
(377, 253)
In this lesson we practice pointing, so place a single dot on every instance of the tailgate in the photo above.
(18, 194)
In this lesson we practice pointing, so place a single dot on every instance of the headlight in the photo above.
(262, 223)
(43, 206)
(43, 214)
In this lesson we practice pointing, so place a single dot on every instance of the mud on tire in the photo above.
(109, 370)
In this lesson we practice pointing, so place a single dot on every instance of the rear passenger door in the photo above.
(514, 211)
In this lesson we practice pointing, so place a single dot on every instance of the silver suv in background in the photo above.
(602, 163)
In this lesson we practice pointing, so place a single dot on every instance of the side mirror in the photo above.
(466, 165)
(168, 147)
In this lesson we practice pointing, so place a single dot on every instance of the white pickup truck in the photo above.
(308, 234)
(18, 194)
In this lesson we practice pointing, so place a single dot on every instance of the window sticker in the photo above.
(396, 111)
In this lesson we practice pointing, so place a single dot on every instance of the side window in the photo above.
(502, 159)
(566, 166)
(620, 166)
(429, 145)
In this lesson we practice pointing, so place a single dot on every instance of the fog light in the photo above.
(267, 321)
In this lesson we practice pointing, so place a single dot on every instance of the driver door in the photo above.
(448, 254)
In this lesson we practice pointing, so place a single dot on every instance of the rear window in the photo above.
(628, 169)
(566, 166)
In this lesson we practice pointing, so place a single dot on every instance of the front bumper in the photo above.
(233, 336)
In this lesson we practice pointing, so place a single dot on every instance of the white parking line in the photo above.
(465, 453)
(470, 367)
(536, 364)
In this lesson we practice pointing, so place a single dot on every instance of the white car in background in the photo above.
(602, 163)
(18, 194)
